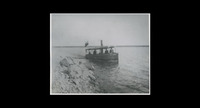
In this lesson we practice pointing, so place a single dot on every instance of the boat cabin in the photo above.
(101, 53)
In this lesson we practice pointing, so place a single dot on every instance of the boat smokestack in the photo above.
(101, 43)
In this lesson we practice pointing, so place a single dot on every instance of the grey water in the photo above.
(130, 75)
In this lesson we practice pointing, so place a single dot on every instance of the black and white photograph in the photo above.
(100, 54)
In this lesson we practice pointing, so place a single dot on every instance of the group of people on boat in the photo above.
(111, 51)
(106, 51)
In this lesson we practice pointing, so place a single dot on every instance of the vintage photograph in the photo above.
(100, 54)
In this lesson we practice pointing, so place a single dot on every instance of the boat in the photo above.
(98, 53)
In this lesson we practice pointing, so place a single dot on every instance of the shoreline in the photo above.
(73, 76)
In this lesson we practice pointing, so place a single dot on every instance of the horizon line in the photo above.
(108, 45)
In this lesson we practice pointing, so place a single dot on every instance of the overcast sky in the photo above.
(75, 30)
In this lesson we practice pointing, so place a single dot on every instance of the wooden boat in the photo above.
(102, 55)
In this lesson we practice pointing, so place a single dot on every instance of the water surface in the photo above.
(129, 75)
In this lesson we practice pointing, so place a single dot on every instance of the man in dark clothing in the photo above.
(86, 44)
(94, 52)
(111, 50)
(106, 52)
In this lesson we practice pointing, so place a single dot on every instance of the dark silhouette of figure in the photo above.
(111, 50)
(86, 44)
(95, 52)
(106, 52)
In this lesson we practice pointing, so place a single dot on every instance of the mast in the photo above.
(101, 45)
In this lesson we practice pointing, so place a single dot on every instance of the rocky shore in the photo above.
(73, 75)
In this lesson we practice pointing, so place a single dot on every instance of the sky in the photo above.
(113, 29)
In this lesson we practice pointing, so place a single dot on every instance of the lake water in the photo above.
(129, 75)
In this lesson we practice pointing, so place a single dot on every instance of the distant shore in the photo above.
(98, 46)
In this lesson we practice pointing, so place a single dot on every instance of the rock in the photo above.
(64, 62)
(89, 66)
(70, 60)
(73, 76)
(67, 62)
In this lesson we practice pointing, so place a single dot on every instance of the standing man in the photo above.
(94, 52)
(86, 44)
(111, 50)
(106, 52)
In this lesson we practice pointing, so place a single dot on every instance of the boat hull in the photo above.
(102, 56)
